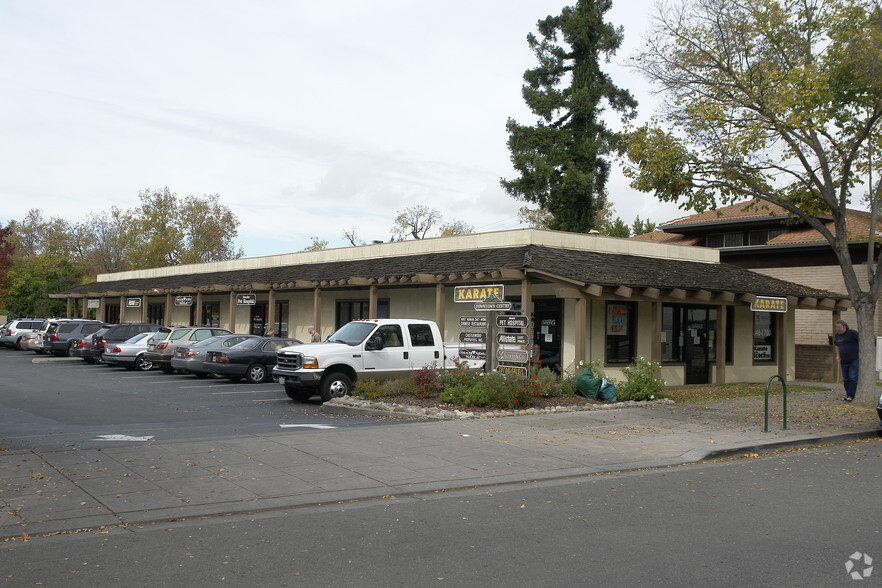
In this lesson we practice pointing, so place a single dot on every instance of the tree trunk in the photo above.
(866, 312)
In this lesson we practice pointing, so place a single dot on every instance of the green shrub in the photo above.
(398, 386)
(460, 374)
(368, 389)
(641, 382)
(517, 392)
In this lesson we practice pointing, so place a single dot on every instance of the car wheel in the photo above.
(141, 365)
(256, 373)
(18, 345)
(299, 394)
(335, 385)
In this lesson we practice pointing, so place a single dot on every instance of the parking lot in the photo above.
(56, 402)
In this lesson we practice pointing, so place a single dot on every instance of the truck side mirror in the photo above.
(375, 344)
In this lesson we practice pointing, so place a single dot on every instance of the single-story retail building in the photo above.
(587, 297)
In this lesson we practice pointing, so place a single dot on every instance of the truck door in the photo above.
(424, 349)
(392, 358)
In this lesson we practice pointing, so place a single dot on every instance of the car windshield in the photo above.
(352, 333)
(140, 337)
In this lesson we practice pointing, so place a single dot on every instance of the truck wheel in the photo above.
(335, 385)
(299, 394)
(256, 373)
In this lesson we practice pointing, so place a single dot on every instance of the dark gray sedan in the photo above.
(188, 359)
(253, 359)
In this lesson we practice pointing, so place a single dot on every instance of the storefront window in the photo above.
(111, 313)
(620, 328)
(764, 337)
(675, 321)
(211, 314)
(280, 324)
(156, 313)
(350, 310)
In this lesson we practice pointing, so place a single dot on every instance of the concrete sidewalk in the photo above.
(135, 483)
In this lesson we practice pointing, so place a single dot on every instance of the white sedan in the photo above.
(129, 354)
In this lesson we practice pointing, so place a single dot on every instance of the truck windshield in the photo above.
(352, 333)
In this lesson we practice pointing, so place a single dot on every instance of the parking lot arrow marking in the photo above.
(309, 426)
(122, 438)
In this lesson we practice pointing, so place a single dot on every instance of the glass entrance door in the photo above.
(695, 346)
(258, 319)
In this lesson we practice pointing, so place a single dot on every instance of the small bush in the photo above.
(368, 389)
(516, 393)
(640, 383)
(398, 387)
(427, 381)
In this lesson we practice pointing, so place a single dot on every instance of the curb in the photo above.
(812, 441)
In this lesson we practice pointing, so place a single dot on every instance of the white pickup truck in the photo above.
(375, 348)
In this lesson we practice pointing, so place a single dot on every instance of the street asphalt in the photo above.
(134, 483)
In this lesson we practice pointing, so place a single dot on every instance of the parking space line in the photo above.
(242, 392)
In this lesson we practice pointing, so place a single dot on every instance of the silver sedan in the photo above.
(129, 354)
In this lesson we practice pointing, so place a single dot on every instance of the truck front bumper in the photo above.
(299, 378)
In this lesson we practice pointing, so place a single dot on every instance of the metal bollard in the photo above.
(769, 383)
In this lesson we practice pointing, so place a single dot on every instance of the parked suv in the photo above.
(161, 346)
(14, 330)
(60, 332)
(114, 334)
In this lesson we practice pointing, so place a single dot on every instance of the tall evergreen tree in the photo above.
(561, 160)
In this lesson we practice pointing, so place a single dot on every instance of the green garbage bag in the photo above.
(607, 391)
(587, 385)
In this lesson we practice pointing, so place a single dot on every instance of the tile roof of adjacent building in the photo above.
(858, 224)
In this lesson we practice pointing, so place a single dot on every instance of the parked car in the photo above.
(252, 359)
(113, 334)
(75, 347)
(31, 341)
(161, 346)
(13, 331)
(130, 353)
(189, 359)
(58, 336)
(92, 347)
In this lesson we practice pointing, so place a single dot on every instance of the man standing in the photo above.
(847, 354)
(314, 336)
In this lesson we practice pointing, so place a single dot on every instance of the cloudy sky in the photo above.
(306, 118)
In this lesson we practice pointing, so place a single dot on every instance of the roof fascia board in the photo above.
(474, 242)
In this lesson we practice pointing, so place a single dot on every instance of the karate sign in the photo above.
(485, 293)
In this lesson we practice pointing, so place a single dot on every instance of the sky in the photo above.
(308, 119)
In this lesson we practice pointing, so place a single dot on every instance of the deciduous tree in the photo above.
(778, 100)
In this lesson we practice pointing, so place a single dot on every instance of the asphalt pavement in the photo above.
(132, 482)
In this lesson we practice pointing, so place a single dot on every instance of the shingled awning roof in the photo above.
(590, 272)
